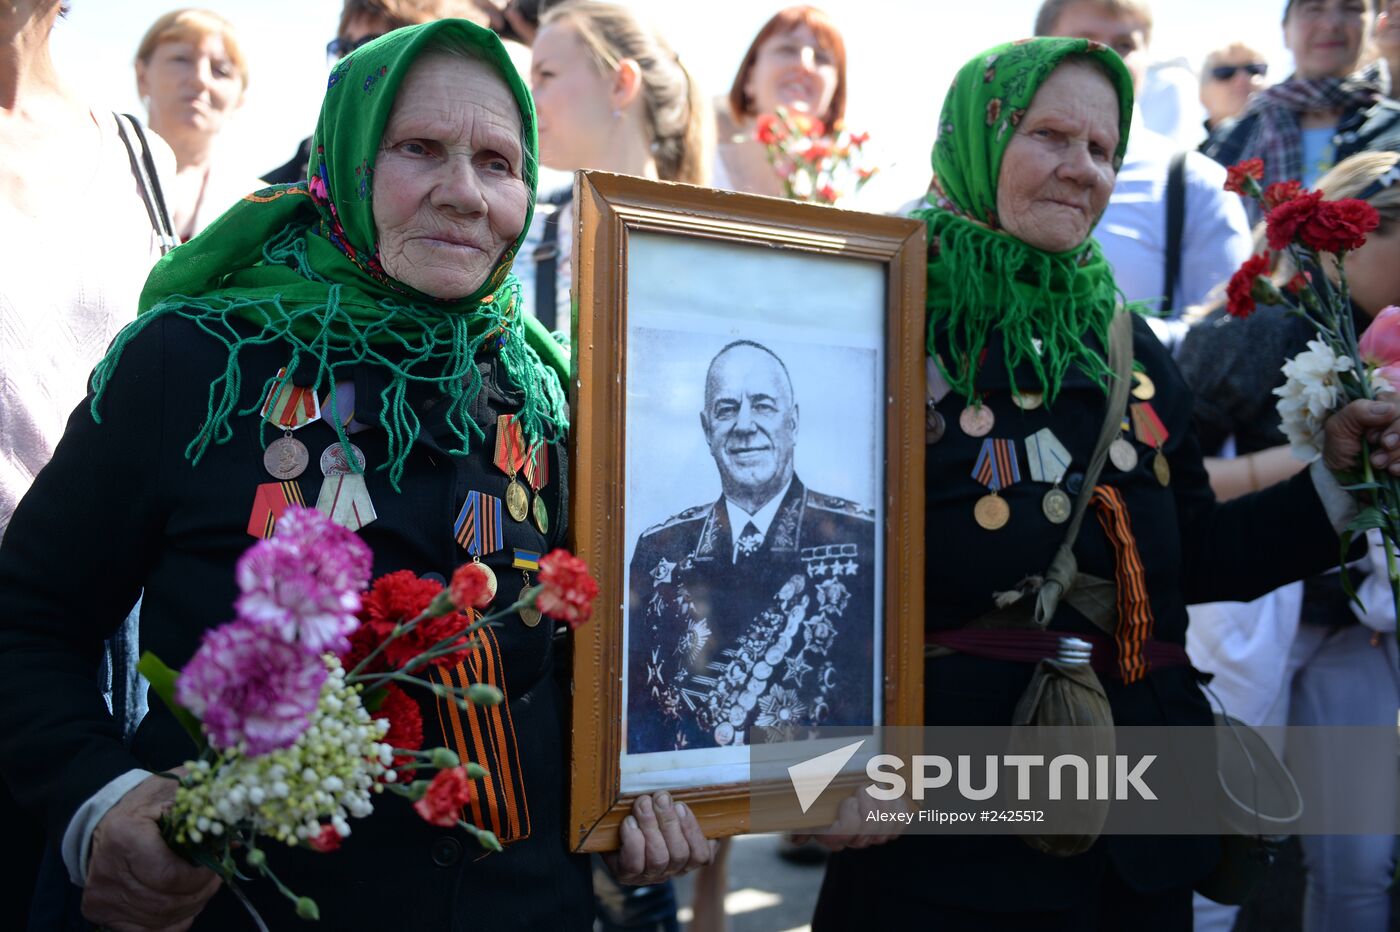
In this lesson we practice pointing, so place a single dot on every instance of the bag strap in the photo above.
(148, 180)
(1063, 569)
(1176, 223)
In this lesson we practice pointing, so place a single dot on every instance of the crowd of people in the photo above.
(1061, 193)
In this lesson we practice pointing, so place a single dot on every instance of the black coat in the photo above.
(120, 509)
(1193, 549)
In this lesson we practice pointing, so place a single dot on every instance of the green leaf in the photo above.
(1366, 519)
(162, 680)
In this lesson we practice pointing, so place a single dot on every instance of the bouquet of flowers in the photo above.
(1338, 367)
(813, 166)
(299, 708)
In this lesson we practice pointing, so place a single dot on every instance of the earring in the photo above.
(617, 114)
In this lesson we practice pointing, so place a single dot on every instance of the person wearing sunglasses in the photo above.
(362, 21)
(1229, 78)
(1328, 109)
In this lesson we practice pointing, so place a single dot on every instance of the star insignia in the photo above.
(662, 572)
(797, 668)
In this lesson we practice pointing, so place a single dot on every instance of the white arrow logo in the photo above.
(811, 777)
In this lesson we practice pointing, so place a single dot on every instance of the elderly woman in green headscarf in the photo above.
(366, 325)
(1024, 389)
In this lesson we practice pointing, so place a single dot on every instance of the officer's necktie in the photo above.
(748, 543)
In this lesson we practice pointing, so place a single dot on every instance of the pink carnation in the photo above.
(305, 582)
(1380, 342)
(249, 686)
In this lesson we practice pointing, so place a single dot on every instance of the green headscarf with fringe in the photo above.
(301, 263)
(981, 278)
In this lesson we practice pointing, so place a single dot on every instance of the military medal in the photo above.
(1028, 401)
(1143, 389)
(1047, 460)
(1121, 452)
(1150, 430)
(510, 457)
(289, 407)
(269, 502)
(997, 467)
(934, 425)
(335, 463)
(977, 420)
(527, 560)
(938, 387)
(537, 474)
(286, 457)
(345, 500)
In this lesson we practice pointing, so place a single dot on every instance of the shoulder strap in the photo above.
(1064, 568)
(1176, 222)
(148, 179)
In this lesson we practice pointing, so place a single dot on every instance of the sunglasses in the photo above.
(339, 48)
(1225, 72)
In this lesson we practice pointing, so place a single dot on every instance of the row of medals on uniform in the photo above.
(998, 463)
(479, 527)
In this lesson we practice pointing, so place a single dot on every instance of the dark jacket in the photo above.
(1192, 548)
(120, 509)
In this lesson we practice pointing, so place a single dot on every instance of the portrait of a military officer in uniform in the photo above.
(757, 609)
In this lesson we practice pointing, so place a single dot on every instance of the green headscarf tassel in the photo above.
(300, 263)
(982, 279)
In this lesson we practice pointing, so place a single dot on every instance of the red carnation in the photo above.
(828, 194)
(1237, 173)
(405, 727)
(435, 630)
(569, 590)
(446, 795)
(1281, 192)
(859, 139)
(472, 586)
(1337, 226)
(1240, 290)
(769, 129)
(1286, 219)
(1297, 283)
(363, 641)
(396, 599)
(326, 840)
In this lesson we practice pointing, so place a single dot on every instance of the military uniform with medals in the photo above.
(770, 629)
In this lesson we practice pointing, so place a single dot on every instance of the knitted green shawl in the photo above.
(982, 279)
(301, 264)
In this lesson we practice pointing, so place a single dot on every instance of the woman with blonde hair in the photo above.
(1300, 655)
(192, 76)
(611, 95)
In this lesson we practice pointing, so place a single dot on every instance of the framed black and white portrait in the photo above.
(748, 440)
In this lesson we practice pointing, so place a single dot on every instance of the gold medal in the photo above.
(992, 512)
(1143, 389)
(977, 420)
(1028, 401)
(286, 457)
(1057, 506)
(541, 515)
(1123, 455)
(517, 500)
(1162, 469)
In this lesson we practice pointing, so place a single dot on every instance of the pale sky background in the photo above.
(901, 55)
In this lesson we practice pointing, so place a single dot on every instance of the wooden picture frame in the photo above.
(619, 219)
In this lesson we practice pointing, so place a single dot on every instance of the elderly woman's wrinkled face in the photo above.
(1058, 171)
(792, 70)
(192, 85)
(449, 189)
(1325, 36)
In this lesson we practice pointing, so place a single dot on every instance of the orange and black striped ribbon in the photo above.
(486, 736)
(270, 500)
(1135, 623)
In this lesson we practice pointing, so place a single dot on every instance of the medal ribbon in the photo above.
(997, 465)
(1148, 426)
(1135, 622)
(1046, 458)
(479, 527)
(537, 466)
(526, 560)
(290, 406)
(510, 445)
(270, 500)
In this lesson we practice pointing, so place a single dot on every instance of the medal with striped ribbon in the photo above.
(997, 467)
(1149, 429)
(536, 471)
(479, 528)
(509, 458)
